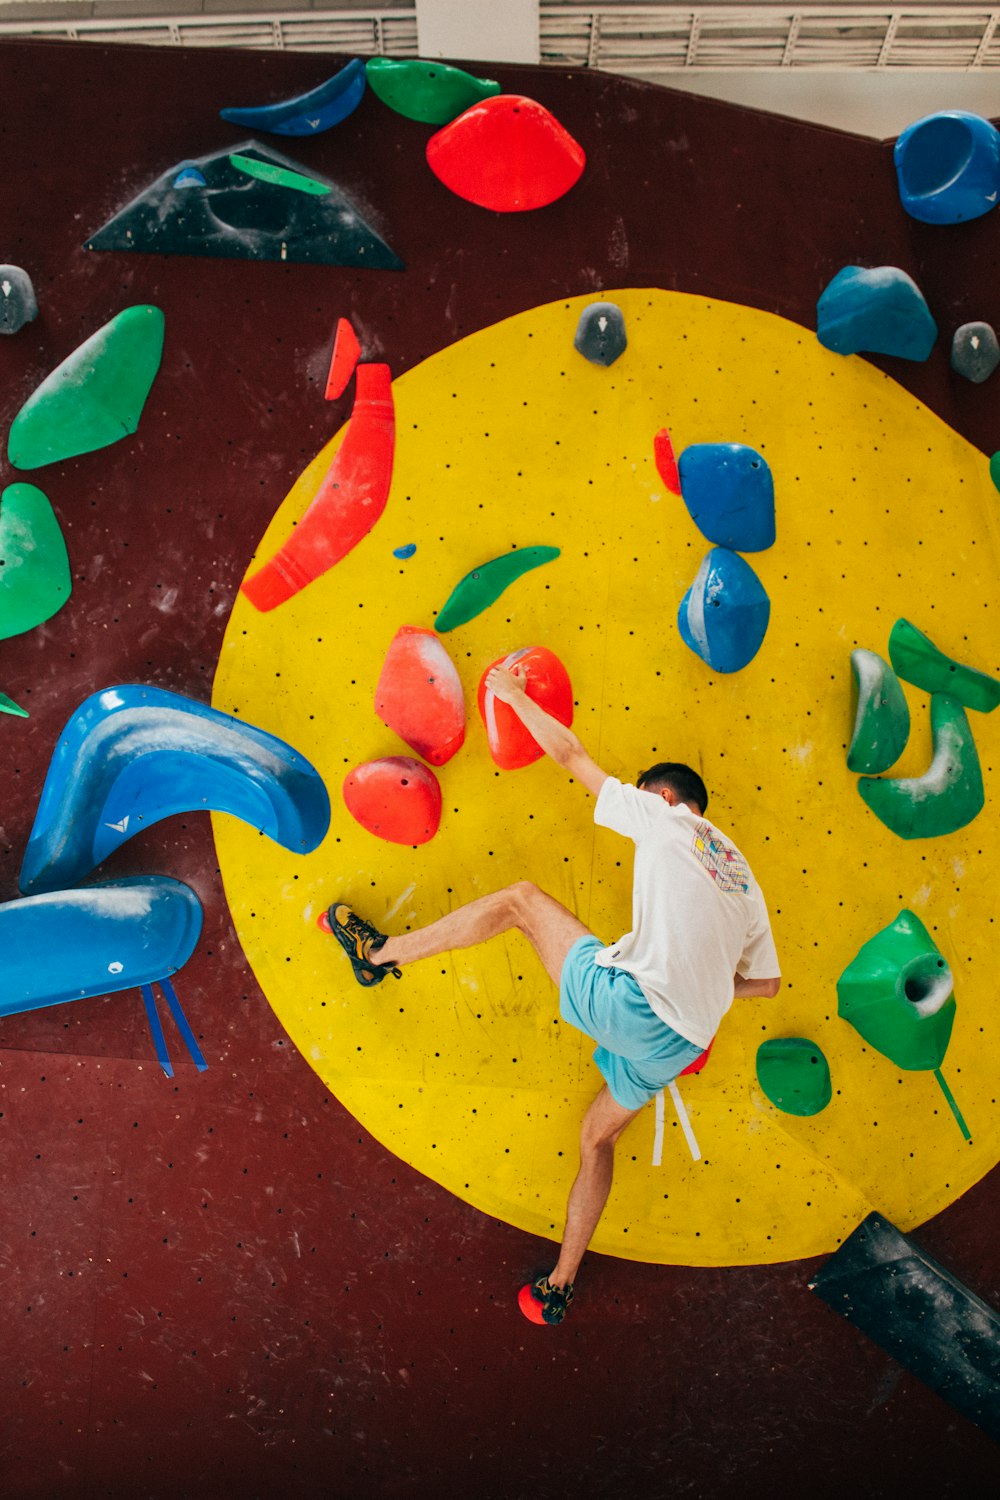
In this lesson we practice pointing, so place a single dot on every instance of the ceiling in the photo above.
(644, 40)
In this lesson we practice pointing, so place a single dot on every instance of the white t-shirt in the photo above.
(698, 915)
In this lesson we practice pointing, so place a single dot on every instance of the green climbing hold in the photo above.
(881, 715)
(95, 397)
(35, 579)
(432, 92)
(8, 706)
(267, 171)
(995, 469)
(794, 1075)
(917, 659)
(950, 792)
(484, 585)
(897, 994)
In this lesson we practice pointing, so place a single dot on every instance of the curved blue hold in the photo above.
(729, 492)
(878, 311)
(190, 176)
(948, 167)
(66, 945)
(723, 616)
(404, 552)
(131, 756)
(311, 113)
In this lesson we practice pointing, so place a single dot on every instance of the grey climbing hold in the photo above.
(600, 333)
(975, 352)
(17, 299)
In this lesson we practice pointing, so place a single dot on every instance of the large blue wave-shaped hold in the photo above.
(876, 311)
(66, 945)
(729, 491)
(131, 756)
(948, 167)
(723, 616)
(308, 114)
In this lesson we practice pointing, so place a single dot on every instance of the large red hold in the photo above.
(395, 798)
(547, 682)
(419, 695)
(507, 153)
(347, 504)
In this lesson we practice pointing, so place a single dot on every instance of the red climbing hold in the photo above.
(346, 353)
(419, 695)
(395, 798)
(347, 504)
(507, 153)
(547, 682)
(666, 464)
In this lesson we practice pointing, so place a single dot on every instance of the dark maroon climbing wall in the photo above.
(220, 1285)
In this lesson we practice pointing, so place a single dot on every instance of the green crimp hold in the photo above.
(268, 171)
(995, 469)
(917, 659)
(35, 580)
(430, 92)
(950, 792)
(484, 585)
(881, 715)
(897, 994)
(8, 706)
(95, 397)
(794, 1075)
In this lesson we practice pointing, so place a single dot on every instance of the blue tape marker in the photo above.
(159, 1040)
(183, 1025)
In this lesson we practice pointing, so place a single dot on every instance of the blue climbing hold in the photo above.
(131, 756)
(729, 491)
(66, 945)
(190, 176)
(311, 113)
(723, 616)
(875, 311)
(948, 167)
(404, 552)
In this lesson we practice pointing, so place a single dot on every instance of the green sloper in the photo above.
(950, 792)
(35, 579)
(431, 92)
(484, 585)
(95, 397)
(917, 659)
(794, 1075)
(897, 994)
(881, 715)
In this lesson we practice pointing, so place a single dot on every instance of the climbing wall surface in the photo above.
(256, 1279)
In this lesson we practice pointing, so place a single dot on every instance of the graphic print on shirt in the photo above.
(725, 864)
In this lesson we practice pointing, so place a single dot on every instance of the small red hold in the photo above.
(396, 799)
(546, 681)
(419, 695)
(346, 353)
(699, 1062)
(507, 153)
(666, 464)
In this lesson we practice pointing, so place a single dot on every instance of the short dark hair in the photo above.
(680, 778)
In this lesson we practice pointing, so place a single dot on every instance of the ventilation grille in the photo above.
(637, 39)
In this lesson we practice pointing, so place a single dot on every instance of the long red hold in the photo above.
(347, 504)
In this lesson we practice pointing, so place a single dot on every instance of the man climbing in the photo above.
(652, 1001)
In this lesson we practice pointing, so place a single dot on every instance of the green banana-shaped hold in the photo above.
(950, 792)
(917, 659)
(484, 585)
(881, 715)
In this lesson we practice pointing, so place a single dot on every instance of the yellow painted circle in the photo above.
(510, 438)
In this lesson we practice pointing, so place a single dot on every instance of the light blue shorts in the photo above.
(637, 1053)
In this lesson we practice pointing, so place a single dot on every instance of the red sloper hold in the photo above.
(346, 353)
(507, 153)
(419, 695)
(396, 799)
(547, 682)
(347, 504)
(666, 464)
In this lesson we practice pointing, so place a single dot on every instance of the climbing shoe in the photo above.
(542, 1303)
(357, 938)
